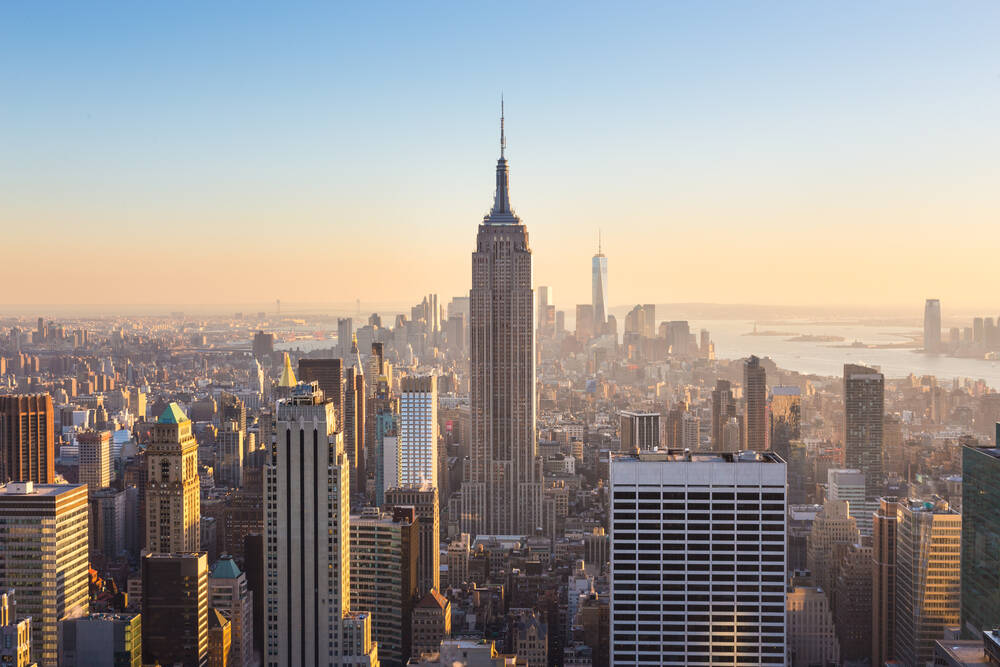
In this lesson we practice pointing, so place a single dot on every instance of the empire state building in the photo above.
(501, 492)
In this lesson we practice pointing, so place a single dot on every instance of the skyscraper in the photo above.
(307, 536)
(229, 593)
(884, 523)
(355, 400)
(785, 418)
(723, 409)
(864, 396)
(719, 529)
(599, 288)
(175, 609)
(424, 499)
(502, 493)
(27, 439)
(329, 373)
(418, 431)
(980, 536)
(173, 488)
(755, 394)
(544, 301)
(928, 573)
(932, 325)
(95, 459)
(639, 430)
(43, 555)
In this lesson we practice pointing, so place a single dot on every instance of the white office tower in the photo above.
(848, 484)
(307, 552)
(418, 431)
(697, 558)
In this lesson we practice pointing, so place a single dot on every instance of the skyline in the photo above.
(694, 129)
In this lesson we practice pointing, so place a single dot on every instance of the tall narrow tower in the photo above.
(599, 288)
(173, 488)
(501, 493)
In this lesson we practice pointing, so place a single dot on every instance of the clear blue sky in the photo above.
(236, 144)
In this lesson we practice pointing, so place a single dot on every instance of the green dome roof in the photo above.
(225, 568)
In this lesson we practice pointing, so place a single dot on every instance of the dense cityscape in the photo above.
(475, 483)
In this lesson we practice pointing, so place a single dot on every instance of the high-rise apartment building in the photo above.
(230, 454)
(307, 559)
(884, 523)
(384, 577)
(27, 439)
(932, 325)
(723, 409)
(755, 411)
(175, 609)
(424, 499)
(502, 492)
(418, 431)
(95, 459)
(640, 431)
(544, 294)
(864, 397)
(850, 485)
(173, 488)
(785, 419)
(697, 558)
(599, 289)
(980, 537)
(43, 556)
(229, 594)
(928, 577)
(385, 425)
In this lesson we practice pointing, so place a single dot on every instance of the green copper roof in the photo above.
(225, 568)
(173, 415)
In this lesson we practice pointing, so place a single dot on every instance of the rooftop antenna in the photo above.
(503, 138)
(598, 240)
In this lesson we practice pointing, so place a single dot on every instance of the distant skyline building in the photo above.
(502, 494)
(864, 408)
(599, 288)
(418, 431)
(674, 581)
(173, 487)
(723, 409)
(329, 373)
(932, 325)
(95, 459)
(27, 439)
(755, 401)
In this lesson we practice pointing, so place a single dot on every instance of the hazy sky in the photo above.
(778, 153)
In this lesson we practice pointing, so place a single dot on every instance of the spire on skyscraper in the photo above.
(501, 213)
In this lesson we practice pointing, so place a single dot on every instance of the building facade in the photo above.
(424, 499)
(95, 459)
(173, 488)
(418, 431)
(175, 609)
(864, 399)
(640, 431)
(755, 411)
(980, 540)
(27, 439)
(687, 532)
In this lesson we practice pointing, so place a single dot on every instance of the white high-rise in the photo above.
(308, 547)
(697, 558)
(418, 431)
(848, 484)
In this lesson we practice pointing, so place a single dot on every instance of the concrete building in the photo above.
(529, 637)
(785, 419)
(502, 493)
(329, 374)
(43, 556)
(107, 529)
(723, 409)
(833, 532)
(27, 439)
(173, 489)
(175, 609)
(640, 431)
(230, 452)
(755, 410)
(418, 431)
(95, 459)
(707, 507)
(424, 499)
(384, 577)
(307, 558)
(928, 577)
(431, 623)
(101, 640)
(864, 399)
(850, 485)
(812, 637)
